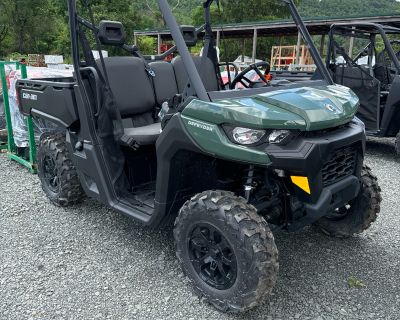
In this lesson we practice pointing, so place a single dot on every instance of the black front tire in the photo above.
(242, 250)
(359, 214)
(56, 172)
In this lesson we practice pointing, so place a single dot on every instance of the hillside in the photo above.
(246, 10)
(28, 26)
(335, 8)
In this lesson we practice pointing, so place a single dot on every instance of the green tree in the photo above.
(340, 8)
(30, 24)
(41, 26)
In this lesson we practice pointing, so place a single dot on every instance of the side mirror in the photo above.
(189, 35)
(111, 33)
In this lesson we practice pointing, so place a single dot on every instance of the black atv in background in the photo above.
(365, 58)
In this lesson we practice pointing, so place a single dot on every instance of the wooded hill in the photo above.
(40, 26)
(340, 8)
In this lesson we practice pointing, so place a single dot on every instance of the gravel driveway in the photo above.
(88, 262)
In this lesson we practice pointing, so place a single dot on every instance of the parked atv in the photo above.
(168, 142)
(365, 58)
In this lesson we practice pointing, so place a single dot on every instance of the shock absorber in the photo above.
(248, 186)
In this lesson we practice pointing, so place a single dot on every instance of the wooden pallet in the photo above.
(284, 56)
(36, 60)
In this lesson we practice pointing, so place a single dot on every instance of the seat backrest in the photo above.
(164, 81)
(207, 73)
(352, 77)
(366, 87)
(384, 74)
(130, 84)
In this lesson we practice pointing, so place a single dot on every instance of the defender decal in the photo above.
(200, 125)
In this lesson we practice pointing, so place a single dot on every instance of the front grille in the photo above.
(342, 164)
(320, 133)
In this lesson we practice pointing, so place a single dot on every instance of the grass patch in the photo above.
(355, 283)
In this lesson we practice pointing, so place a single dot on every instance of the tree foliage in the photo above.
(340, 8)
(27, 25)
(40, 26)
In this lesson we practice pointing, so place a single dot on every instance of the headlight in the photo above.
(246, 135)
(278, 136)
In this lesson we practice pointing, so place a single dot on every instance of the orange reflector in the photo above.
(301, 182)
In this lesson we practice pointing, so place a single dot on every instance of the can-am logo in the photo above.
(200, 125)
(332, 108)
(29, 96)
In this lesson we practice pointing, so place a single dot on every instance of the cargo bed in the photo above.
(51, 98)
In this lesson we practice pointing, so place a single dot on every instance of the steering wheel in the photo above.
(246, 82)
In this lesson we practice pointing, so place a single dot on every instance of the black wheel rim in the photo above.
(50, 174)
(212, 256)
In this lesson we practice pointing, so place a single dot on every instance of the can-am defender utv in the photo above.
(225, 165)
(365, 58)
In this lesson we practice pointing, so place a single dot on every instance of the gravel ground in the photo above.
(88, 262)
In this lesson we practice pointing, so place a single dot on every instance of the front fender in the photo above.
(212, 139)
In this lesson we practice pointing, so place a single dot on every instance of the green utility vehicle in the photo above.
(168, 142)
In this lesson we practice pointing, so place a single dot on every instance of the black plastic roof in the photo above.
(366, 27)
(285, 27)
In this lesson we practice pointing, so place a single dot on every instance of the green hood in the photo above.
(304, 108)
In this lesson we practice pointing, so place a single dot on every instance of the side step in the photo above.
(144, 195)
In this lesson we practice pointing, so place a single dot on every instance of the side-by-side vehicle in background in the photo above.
(372, 71)
(365, 58)
(167, 142)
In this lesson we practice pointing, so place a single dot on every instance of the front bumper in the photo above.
(309, 154)
(332, 197)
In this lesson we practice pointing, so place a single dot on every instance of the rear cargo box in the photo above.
(52, 99)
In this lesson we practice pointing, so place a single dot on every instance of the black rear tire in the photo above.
(397, 144)
(56, 172)
(227, 250)
(359, 214)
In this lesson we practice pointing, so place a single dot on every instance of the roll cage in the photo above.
(371, 69)
(367, 31)
(195, 85)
